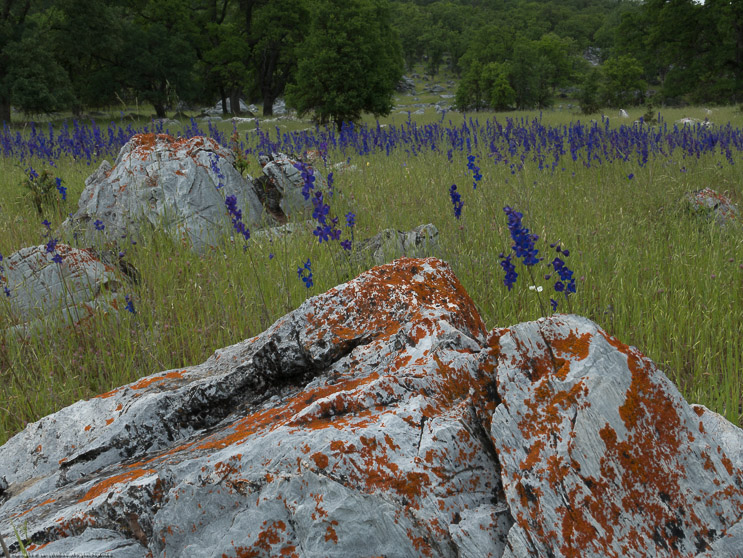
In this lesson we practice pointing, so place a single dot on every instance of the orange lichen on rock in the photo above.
(143, 383)
(105, 485)
(320, 459)
(330, 534)
(44, 503)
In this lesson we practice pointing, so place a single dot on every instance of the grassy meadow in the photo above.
(646, 270)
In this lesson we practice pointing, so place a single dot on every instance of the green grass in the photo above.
(648, 272)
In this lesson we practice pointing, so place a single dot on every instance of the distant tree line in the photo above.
(335, 59)
(522, 53)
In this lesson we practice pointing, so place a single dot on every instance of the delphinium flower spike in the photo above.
(456, 201)
(237, 217)
(305, 273)
(476, 176)
(214, 163)
(524, 249)
(61, 189)
(510, 279)
(129, 304)
(350, 223)
(308, 178)
(51, 248)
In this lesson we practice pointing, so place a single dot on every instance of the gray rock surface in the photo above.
(406, 85)
(167, 183)
(42, 291)
(216, 109)
(391, 244)
(693, 122)
(287, 180)
(601, 455)
(713, 205)
(352, 427)
(381, 419)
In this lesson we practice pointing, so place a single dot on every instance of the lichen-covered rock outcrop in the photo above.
(178, 185)
(382, 419)
(713, 206)
(41, 290)
(601, 455)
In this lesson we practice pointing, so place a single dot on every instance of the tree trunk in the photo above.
(160, 110)
(267, 104)
(235, 100)
(268, 69)
(222, 94)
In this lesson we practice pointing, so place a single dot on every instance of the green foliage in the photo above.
(42, 190)
(12, 30)
(650, 116)
(469, 95)
(530, 75)
(496, 87)
(85, 35)
(485, 86)
(622, 83)
(689, 50)
(225, 56)
(21, 540)
(408, 21)
(501, 69)
(350, 62)
(277, 31)
(157, 56)
(588, 97)
(38, 84)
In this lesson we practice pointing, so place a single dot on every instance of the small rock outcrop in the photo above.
(692, 122)
(382, 419)
(216, 109)
(280, 189)
(406, 85)
(390, 244)
(178, 185)
(73, 289)
(713, 206)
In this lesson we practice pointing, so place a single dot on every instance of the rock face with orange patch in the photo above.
(166, 183)
(381, 419)
(42, 290)
(713, 206)
(601, 455)
(356, 425)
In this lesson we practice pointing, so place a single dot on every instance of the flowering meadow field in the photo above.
(605, 197)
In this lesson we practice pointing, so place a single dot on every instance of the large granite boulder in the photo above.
(42, 291)
(179, 185)
(381, 419)
(601, 455)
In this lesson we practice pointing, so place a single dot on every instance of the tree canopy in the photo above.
(338, 59)
(350, 62)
